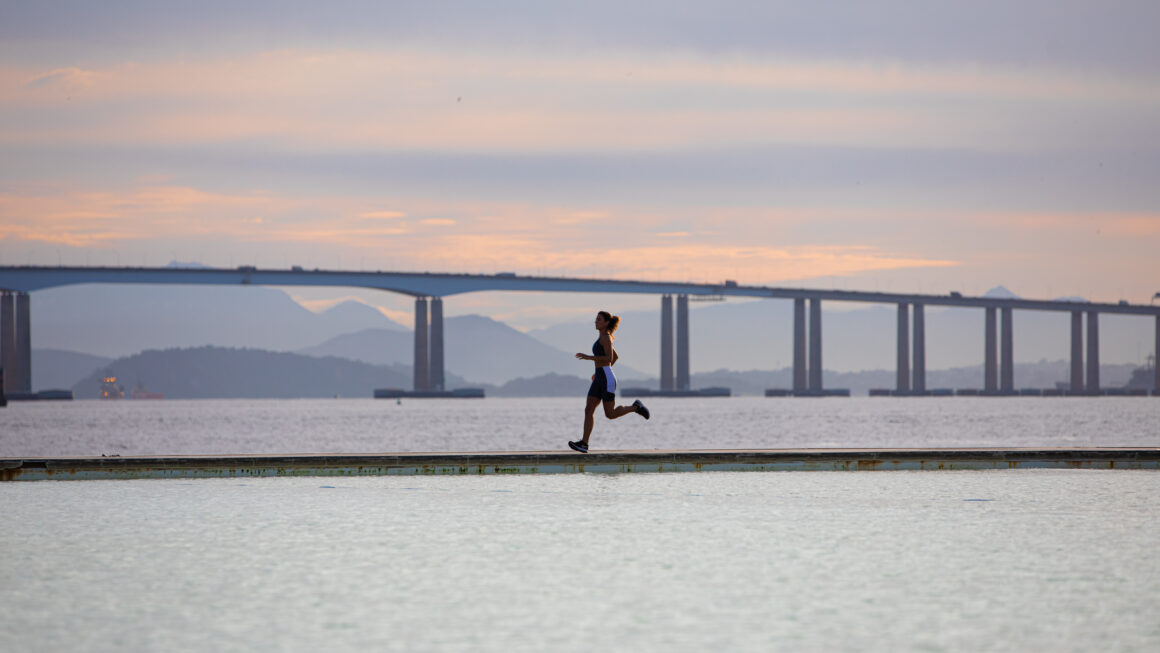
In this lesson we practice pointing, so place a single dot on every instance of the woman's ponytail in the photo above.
(612, 320)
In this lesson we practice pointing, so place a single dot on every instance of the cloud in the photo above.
(686, 262)
(407, 99)
(68, 78)
(992, 33)
(382, 215)
(581, 217)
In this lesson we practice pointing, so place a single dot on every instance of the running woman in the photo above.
(603, 389)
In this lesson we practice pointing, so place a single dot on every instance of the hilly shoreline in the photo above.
(246, 373)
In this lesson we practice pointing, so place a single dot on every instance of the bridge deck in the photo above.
(554, 462)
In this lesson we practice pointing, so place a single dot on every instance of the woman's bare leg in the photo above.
(612, 411)
(589, 417)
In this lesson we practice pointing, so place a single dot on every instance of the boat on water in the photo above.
(110, 389)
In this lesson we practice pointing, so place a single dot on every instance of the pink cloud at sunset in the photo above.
(483, 100)
(522, 241)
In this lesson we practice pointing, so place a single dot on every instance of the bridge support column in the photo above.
(1007, 362)
(8, 340)
(919, 340)
(435, 378)
(421, 352)
(815, 367)
(1093, 353)
(1076, 387)
(990, 373)
(683, 342)
(667, 382)
(799, 345)
(23, 343)
(902, 378)
(1156, 361)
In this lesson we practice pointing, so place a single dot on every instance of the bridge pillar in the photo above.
(421, 372)
(799, 344)
(1007, 349)
(23, 343)
(1076, 387)
(8, 340)
(990, 373)
(902, 379)
(1093, 353)
(919, 340)
(1156, 361)
(667, 382)
(815, 367)
(683, 342)
(435, 379)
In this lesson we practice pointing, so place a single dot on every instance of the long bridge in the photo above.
(429, 289)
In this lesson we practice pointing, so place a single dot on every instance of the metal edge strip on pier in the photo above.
(607, 462)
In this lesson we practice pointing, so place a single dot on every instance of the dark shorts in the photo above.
(599, 387)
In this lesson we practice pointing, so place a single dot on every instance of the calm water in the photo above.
(932, 561)
(367, 425)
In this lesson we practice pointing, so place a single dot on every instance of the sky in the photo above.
(919, 146)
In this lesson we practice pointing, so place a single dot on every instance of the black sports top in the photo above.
(597, 348)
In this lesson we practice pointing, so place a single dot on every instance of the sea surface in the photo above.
(1006, 560)
(370, 426)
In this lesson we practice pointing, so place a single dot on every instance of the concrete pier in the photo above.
(1077, 353)
(799, 345)
(668, 381)
(919, 340)
(990, 371)
(421, 370)
(815, 368)
(1156, 361)
(435, 374)
(555, 462)
(1007, 354)
(902, 378)
(1093, 353)
(683, 343)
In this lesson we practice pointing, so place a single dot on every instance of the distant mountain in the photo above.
(547, 385)
(218, 372)
(60, 369)
(118, 320)
(477, 348)
(1000, 292)
(374, 346)
(350, 315)
(1044, 374)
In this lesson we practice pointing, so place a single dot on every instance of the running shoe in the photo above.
(640, 409)
(578, 446)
